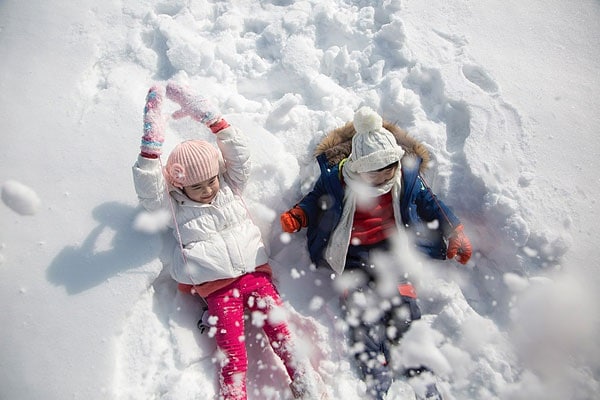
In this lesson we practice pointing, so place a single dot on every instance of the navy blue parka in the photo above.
(419, 206)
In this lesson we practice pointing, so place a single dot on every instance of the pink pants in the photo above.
(255, 292)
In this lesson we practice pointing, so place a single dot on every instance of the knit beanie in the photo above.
(373, 146)
(192, 162)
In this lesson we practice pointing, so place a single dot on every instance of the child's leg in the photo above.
(267, 300)
(405, 310)
(228, 307)
(368, 335)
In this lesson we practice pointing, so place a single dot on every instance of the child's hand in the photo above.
(154, 124)
(293, 220)
(194, 106)
(459, 245)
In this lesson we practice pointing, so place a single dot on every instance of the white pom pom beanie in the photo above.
(373, 146)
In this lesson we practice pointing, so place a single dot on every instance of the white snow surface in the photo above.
(503, 93)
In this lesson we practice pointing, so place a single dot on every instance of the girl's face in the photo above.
(203, 192)
(380, 176)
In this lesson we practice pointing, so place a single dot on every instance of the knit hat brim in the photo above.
(375, 160)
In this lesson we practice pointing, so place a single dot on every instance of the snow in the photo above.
(503, 94)
(20, 198)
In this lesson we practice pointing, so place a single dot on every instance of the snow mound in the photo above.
(20, 198)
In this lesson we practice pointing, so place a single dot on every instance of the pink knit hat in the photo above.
(192, 162)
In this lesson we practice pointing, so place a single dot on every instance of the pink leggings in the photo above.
(256, 292)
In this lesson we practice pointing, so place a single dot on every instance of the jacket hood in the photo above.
(337, 145)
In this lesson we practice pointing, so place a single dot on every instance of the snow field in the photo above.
(518, 322)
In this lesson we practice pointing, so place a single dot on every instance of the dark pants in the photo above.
(375, 321)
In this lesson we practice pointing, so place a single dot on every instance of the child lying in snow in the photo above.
(221, 255)
(370, 188)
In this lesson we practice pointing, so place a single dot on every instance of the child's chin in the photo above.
(205, 200)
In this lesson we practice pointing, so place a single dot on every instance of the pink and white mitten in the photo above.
(154, 124)
(194, 106)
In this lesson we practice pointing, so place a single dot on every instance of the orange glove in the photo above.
(459, 245)
(293, 220)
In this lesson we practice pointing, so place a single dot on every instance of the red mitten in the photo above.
(293, 220)
(459, 245)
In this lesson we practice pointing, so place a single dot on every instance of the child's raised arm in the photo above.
(231, 141)
(147, 175)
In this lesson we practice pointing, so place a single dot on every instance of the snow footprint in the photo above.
(479, 77)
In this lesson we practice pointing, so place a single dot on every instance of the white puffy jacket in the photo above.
(219, 239)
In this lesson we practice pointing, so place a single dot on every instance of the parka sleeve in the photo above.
(149, 183)
(314, 201)
(236, 155)
(326, 196)
(430, 208)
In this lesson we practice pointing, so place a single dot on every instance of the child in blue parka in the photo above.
(369, 189)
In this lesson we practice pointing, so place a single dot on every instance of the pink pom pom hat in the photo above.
(192, 162)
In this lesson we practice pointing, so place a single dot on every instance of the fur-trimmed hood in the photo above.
(337, 145)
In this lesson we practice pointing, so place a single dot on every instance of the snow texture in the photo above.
(502, 93)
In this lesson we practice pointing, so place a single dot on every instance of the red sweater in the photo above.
(375, 223)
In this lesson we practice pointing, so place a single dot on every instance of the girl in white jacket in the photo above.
(221, 256)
